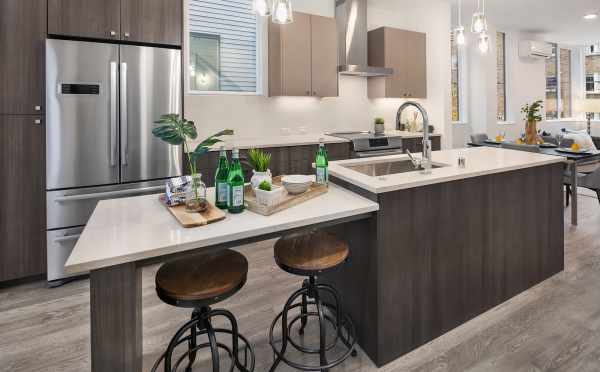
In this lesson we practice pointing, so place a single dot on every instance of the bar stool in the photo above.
(309, 255)
(199, 282)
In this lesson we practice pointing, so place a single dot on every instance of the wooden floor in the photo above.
(552, 327)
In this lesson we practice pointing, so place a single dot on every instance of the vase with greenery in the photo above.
(379, 126)
(260, 161)
(177, 131)
(533, 115)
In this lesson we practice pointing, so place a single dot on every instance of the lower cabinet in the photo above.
(22, 208)
(415, 145)
(284, 160)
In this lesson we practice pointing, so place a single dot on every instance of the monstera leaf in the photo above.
(177, 131)
(204, 146)
(173, 130)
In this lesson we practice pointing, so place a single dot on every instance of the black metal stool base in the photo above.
(310, 295)
(200, 325)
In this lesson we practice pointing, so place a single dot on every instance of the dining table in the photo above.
(574, 160)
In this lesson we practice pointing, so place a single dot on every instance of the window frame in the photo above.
(461, 83)
(559, 99)
(261, 43)
(504, 119)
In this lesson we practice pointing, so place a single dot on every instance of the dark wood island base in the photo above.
(437, 256)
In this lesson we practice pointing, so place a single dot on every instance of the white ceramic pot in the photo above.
(269, 198)
(258, 177)
(379, 128)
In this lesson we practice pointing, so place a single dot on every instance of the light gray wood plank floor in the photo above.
(552, 327)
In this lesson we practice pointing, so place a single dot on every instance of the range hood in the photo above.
(351, 18)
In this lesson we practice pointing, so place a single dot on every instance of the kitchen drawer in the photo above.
(68, 208)
(60, 244)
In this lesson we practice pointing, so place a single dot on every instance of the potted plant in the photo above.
(260, 161)
(379, 126)
(532, 117)
(267, 194)
(178, 131)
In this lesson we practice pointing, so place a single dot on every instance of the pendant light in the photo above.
(261, 7)
(459, 32)
(484, 42)
(479, 23)
(282, 12)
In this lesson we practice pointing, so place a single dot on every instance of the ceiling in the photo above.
(559, 21)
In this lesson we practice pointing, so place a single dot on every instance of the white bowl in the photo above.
(296, 184)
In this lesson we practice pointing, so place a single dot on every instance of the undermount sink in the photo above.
(385, 168)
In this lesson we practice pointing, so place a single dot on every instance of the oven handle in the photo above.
(372, 154)
(108, 194)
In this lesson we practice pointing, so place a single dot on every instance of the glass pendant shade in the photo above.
(282, 12)
(261, 7)
(459, 35)
(479, 24)
(484, 42)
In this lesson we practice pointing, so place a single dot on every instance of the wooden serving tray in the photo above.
(287, 202)
(187, 219)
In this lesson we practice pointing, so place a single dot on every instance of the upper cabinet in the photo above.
(406, 53)
(145, 21)
(303, 57)
(98, 19)
(22, 35)
(152, 21)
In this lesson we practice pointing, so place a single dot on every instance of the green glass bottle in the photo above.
(235, 183)
(321, 164)
(221, 179)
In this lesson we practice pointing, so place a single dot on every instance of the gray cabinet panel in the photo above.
(152, 21)
(98, 19)
(324, 59)
(22, 35)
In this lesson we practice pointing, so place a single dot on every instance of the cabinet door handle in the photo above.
(37, 108)
(113, 33)
(37, 121)
(307, 93)
(127, 34)
(314, 93)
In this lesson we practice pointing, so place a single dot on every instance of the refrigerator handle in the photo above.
(113, 114)
(124, 129)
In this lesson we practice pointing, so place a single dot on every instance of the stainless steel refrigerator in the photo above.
(102, 100)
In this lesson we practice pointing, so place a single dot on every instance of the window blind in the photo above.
(234, 23)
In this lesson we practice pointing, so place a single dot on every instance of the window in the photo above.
(565, 83)
(558, 84)
(455, 80)
(222, 46)
(501, 75)
(592, 74)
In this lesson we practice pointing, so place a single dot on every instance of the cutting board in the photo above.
(195, 219)
(288, 201)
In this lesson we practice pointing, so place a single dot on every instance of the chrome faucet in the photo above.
(425, 163)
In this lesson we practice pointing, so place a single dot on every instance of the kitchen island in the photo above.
(446, 246)
(124, 235)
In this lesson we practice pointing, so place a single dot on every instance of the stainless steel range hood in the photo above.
(351, 18)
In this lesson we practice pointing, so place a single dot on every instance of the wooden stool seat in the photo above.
(310, 252)
(206, 278)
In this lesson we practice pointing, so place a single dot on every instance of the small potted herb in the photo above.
(260, 161)
(268, 194)
(379, 126)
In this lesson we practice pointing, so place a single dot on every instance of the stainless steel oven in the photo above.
(368, 144)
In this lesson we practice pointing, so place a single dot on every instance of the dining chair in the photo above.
(550, 139)
(520, 147)
(479, 138)
(590, 181)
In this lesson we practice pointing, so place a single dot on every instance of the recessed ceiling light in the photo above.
(590, 16)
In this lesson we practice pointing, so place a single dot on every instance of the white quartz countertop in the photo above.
(297, 140)
(131, 229)
(479, 161)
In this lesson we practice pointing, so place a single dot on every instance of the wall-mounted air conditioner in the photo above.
(534, 49)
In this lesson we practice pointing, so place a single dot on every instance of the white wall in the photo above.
(253, 116)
